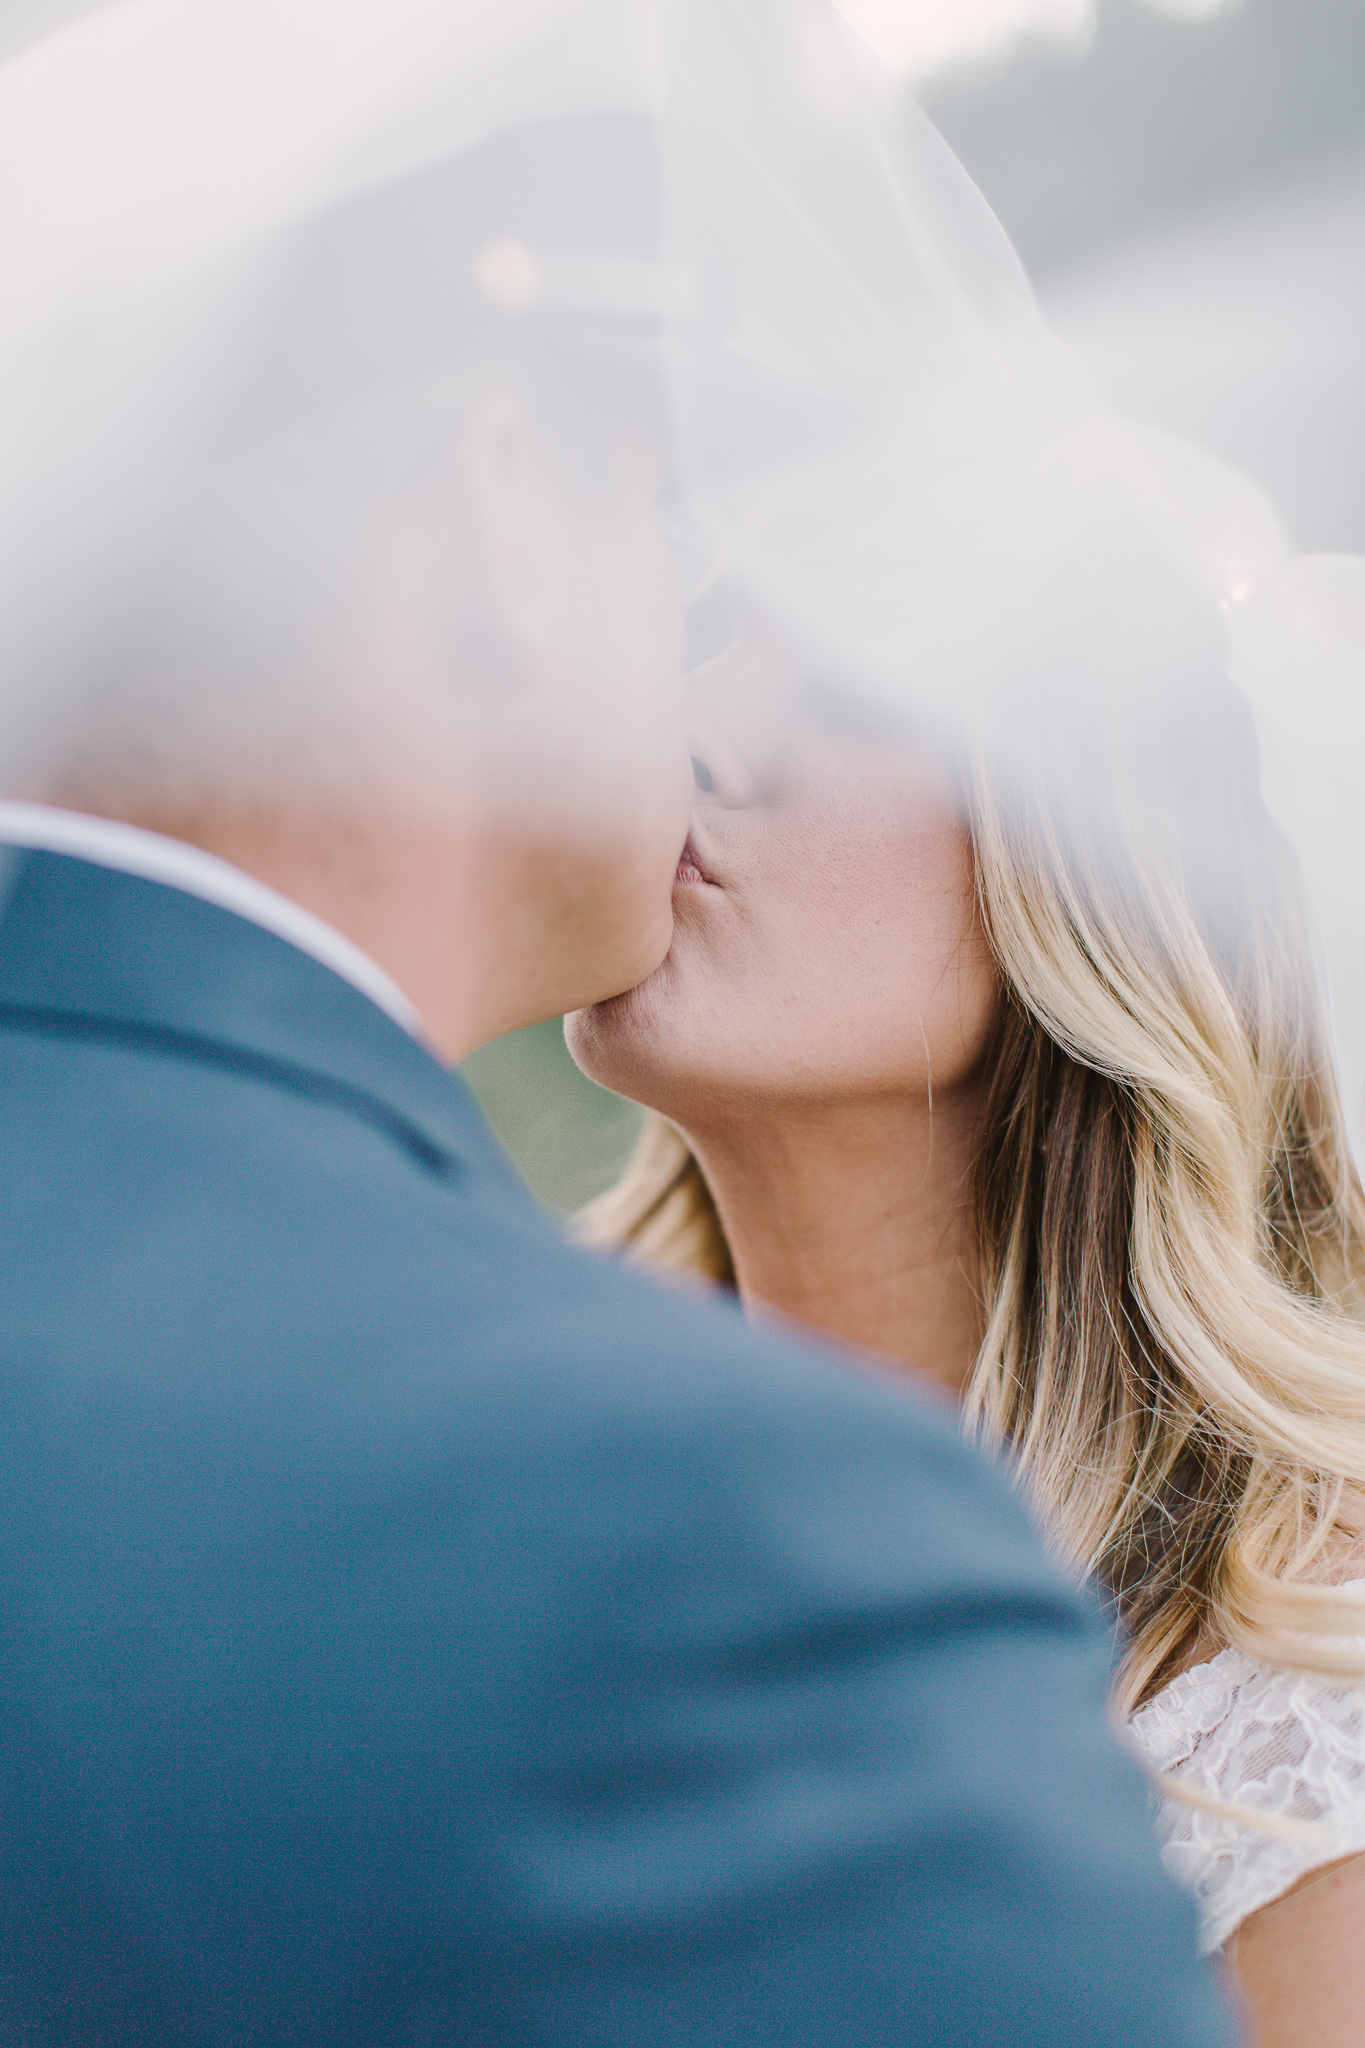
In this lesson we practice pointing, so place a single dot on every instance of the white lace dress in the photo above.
(1291, 1745)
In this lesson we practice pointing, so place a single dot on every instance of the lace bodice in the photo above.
(1282, 1741)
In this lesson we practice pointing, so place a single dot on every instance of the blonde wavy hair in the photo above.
(1170, 1229)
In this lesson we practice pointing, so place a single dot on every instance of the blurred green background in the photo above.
(569, 1137)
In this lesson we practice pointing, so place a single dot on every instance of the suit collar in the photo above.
(114, 844)
(90, 948)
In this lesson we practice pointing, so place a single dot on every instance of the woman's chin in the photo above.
(613, 1040)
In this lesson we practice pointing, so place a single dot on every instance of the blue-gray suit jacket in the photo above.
(416, 1631)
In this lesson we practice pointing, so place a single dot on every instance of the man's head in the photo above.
(410, 647)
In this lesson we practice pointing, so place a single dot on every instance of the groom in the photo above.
(415, 1631)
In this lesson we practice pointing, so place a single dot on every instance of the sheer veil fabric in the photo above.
(876, 439)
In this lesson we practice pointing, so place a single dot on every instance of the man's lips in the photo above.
(690, 869)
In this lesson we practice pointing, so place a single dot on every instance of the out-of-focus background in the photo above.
(1187, 190)
(1185, 180)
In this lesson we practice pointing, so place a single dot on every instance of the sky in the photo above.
(918, 38)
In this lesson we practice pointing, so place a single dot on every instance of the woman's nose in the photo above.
(732, 706)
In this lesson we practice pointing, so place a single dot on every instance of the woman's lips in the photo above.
(690, 869)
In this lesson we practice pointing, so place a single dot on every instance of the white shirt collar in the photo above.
(111, 844)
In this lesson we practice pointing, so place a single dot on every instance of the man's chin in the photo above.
(628, 984)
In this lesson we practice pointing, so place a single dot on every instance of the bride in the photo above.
(1005, 1062)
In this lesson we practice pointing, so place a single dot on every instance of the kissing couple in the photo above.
(421, 1629)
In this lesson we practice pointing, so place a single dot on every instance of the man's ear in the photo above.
(512, 509)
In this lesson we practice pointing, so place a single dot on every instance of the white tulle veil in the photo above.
(876, 438)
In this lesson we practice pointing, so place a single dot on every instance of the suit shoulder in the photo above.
(236, 1222)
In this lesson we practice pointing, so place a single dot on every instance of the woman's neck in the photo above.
(855, 1219)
